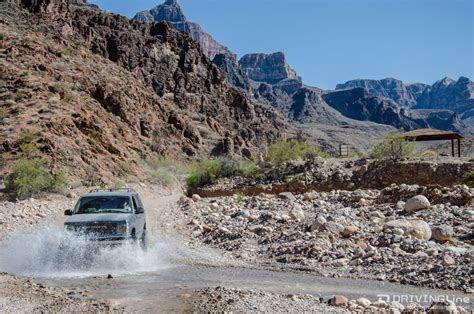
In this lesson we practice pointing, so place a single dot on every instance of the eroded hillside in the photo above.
(102, 93)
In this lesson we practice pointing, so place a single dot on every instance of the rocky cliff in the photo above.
(171, 12)
(449, 94)
(358, 104)
(102, 92)
(403, 94)
(268, 68)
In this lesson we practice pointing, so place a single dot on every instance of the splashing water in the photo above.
(49, 251)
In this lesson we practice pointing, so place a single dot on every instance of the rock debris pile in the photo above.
(408, 234)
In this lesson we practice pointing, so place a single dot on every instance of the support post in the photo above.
(459, 148)
(452, 147)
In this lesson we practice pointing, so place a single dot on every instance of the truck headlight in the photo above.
(122, 228)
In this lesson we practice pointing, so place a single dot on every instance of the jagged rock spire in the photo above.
(171, 2)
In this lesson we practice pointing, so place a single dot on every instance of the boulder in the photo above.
(448, 260)
(445, 307)
(417, 203)
(442, 232)
(318, 225)
(310, 196)
(287, 196)
(297, 213)
(334, 227)
(363, 302)
(339, 300)
(196, 197)
(418, 229)
(348, 231)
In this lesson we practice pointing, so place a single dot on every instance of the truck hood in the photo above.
(107, 217)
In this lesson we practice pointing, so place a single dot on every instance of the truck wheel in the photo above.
(143, 243)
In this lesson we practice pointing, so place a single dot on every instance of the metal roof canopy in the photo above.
(424, 135)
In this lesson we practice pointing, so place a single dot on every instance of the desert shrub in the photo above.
(3, 115)
(249, 169)
(2, 36)
(204, 172)
(3, 161)
(209, 171)
(124, 167)
(295, 181)
(166, 171)
(29, 177)
(429, 154)
(163, 177)
(239, 197)
(285, 150)
(27, 136)
(91, 178)
(469, 178)
(29, 150)
(117, 184)
(70, 51)
(394, 147)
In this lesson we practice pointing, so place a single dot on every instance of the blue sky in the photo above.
(333, 41)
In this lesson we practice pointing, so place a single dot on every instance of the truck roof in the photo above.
(111, 192)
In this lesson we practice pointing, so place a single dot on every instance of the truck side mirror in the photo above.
(68, 212)
(140, 210)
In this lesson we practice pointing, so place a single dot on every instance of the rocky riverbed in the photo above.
(23, 295)
(257, 301)
(28, 213)
(408, 234)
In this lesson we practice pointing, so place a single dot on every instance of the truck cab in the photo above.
(111, 217)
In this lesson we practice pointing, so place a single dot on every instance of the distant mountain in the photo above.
(234, 73)
(171, 12)
(449, 94)
(269, 79)
(402, 94)
(358, 104)
(269, 68)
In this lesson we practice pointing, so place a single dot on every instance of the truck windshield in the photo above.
(103, 204)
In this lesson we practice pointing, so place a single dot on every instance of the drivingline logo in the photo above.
(422, 298)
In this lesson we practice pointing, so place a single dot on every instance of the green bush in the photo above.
(210, 170)
(285, 150)
(163, 177)
(469, 178)
(393, 146)
(204, 172)
(239, 197)
(27, 136)
(29, 177)
(166, 171)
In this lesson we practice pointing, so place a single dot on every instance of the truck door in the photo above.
(140, 215)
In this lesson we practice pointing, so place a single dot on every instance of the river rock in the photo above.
(442, 232)
(334, 227)
(363, 302)
(415, 228)
(310, 196)
(448, 260)
(349, 231)
(196, 197)
(339, 300)
(297, 213)
(287, 196)
(416, 203)
(445, 307)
